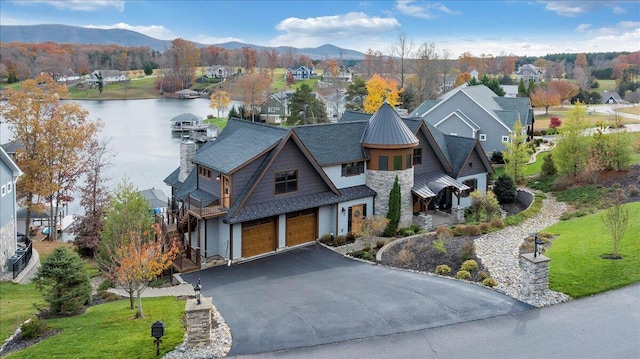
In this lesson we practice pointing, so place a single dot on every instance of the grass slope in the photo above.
(17, 303)
(576, 267)
(110, 331)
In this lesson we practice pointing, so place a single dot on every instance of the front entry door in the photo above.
(357, 216)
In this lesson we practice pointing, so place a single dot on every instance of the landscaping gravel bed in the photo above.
(499, 253)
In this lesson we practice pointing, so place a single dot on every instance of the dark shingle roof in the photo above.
(386, 127)
(184, 117)
(458, 148)
(352, 116)
(520, 104)
(239, 142)
(333, 143)
(423, 108)
(292, 204)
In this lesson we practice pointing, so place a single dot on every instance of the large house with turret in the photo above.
(258, 189)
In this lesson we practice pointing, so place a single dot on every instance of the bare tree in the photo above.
(616, 219)
(401, 51)
(426, 79)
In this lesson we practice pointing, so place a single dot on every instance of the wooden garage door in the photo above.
(258, 237)
(301, 227)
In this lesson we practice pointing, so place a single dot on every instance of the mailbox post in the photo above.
(157, 331)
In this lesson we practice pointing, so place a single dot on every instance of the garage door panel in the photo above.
(301, 227)
(258, 237)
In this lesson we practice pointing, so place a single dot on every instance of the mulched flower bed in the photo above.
(419, 253)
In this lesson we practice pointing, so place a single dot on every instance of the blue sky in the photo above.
(532, 28)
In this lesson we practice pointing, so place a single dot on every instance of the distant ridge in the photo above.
(65, 34)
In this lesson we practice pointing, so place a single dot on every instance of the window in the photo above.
(204, 172)
(453, 134)
(472, 183)
(505, 138)
(408, 161)
(286, 181)
(383, 163)
(352, 169)
(483, 137)
(470, 165)
(417, 156)
(397, 163)
(9, 187)
(4, 190)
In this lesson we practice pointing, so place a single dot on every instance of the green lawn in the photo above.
(529, 169)
(219, 122)
(576, 267)
(134, 89)
(110, 331)
(16, 305)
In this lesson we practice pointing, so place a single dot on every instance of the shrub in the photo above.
(497, 223)
(497, 157)
(443, 269)
(351, 237)
(368, 256)
(548, 166)
(472, 230)
(34, 328)
(459, 230)
(373, 226)
(395, 206)
(463, 274)
(469, 265)
(415, 228)
(505, 189)
(444, 233)
(467, 249)
(105, 284)
(561, 183)
(633, 190)
(405, 257)
(326, 239)
(439, 245)
(489, 282)
(108, 296)
(482, 275)
(340, 240)
(485, 227)
(366, 248)
(380, 244)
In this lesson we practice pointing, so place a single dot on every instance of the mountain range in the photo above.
(64, 34)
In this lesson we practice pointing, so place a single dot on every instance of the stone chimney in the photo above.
(187, 151)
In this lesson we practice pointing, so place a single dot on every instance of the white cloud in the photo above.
(574, 8)
(78, 5)
(619, 10)
(156, 31)
(345, 24)
(583, 27)
(423, 10)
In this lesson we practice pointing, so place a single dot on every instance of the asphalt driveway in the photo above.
(311, 296)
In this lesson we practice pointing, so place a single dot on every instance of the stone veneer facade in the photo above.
(382, 182)
(536, 273)
(198, 321)
(8, 243)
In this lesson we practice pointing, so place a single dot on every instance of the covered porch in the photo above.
(436, 200)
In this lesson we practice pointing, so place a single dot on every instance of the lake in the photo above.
(144, 149)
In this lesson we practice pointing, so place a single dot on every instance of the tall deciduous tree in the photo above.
(53, 137)
(186, 58)
(379, 90)
(127, 217)
(565, 89)
(516, 154)
(401, 51)
(219, 100)
(544, 97)
(255, 87)
(570, 154)
(425, 79)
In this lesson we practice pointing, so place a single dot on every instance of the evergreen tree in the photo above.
(395, 204)
(148, 69)
(233, 113)
(306, 108)
(522, 89)
(516, 153)
(505, 189)
(356, 93)
(64, 282)
(548, 167)
(531, 88)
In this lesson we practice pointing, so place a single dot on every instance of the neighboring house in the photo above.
(335, 105)
(449, 81)
(528, 71)
(108, 76)
(273, 111)
(259, 189)
(217, 72)
(611, 97)
(9, 173)
(477, 112)
(510, 90)
(345, 74)
(301, 73)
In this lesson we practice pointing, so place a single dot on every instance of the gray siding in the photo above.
(455, 126)
(488, 124)
(7, 202)
(291, 157)
(241, 177)
(210, 185)
(476, 165)
(430, 161)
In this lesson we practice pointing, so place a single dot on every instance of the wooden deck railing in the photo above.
(195, 207)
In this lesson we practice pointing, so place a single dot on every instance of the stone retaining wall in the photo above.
(525, 196)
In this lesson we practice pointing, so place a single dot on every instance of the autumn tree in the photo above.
(544, 97)
(127, 218)
(467, 62)
(565, 89)
(356, 93)
(462, 79)
(255, 87)
(64, 282)
(616, 218)
(516, 154)
(379, 90)
(94, 198)
(570, 155)
(581, 61)
(186, 58)
(53, 137)
(305, 108)
(140, 261)
(219, 100)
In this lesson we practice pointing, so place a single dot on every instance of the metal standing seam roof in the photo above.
(386, 128)
(302, 202)
(428, 184)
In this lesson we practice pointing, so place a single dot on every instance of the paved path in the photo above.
(603, 326)
(311, 296)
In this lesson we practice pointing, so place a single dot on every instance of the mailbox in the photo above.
(157, 329)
